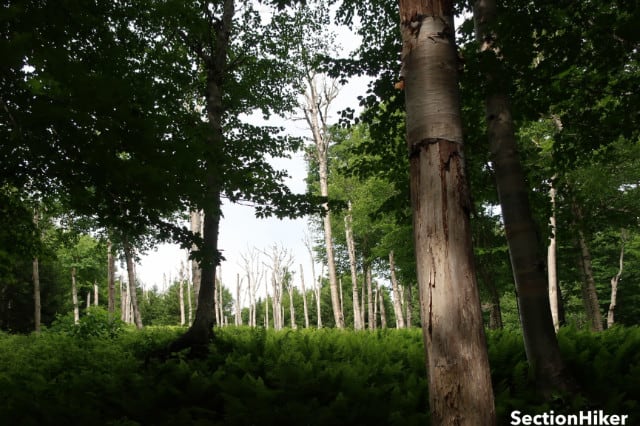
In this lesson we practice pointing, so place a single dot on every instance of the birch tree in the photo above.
(460, 390)
(357, 325)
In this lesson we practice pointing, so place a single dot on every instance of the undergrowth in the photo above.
(303, 377)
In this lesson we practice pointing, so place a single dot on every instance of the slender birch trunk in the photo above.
(615, 280)
(292, 310)
(397, 306)
(74, 296)
(95, 293)
(304, 298)
(238, 314)
(371, 318)
(460, 389)
(181, 294)
(315, 112)
(316, 285)
(351, 248)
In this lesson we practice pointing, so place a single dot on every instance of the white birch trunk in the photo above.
(304, 298)
(397, 297)
(357, 325)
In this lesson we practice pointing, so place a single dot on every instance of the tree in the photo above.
(460, 390)
(543, 351)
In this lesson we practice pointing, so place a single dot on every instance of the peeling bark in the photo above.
(460, 390)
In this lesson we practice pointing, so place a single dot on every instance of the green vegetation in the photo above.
(253, 376)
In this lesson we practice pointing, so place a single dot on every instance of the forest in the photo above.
(474, 239)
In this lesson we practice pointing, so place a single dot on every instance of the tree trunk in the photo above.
(383, 312)
(541, 344)
(315, 113)
(95, 294)
(352, 264)
(316, 285)
(266, 315)
(111, 280)
(292, 310)
(37, 306)
(397, 305)
(196, 272)
(304, 299)
(495, 314)
(189, 302)
(181, 294)
(238, 317)
(201, 331)
(589, 295)
(615, 280)
(371, 319)
(409, 314)
(460, 390)
(552, 271)
(88, 300)
(74, 296)
(133, 297)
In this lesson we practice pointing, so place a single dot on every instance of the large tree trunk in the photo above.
(460, 390)
(201, 331)
(541, 344)
(615, 280)
(552, 270)
(111, 280)
(196, 272)
(397, 305)
(133, 296)
(351, 248)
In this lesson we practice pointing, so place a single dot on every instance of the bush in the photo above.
(95, 323)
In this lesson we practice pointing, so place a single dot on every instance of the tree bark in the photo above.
(95, 294)
(238, 316)
(371, 318)
(201, 331)
(397, 305)
(315, 113)
(74, 296)
(181, 294)
(615, 280)
(541, 344)
(460, 390)
(37, 306)
(196, 272)
(111, 280)
(383, 312)
(133, 297)
(304, 299)
(351, 248)
(552, 271)
(316, 286)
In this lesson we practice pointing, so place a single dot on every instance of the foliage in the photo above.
(97, 322)
(316, 377)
